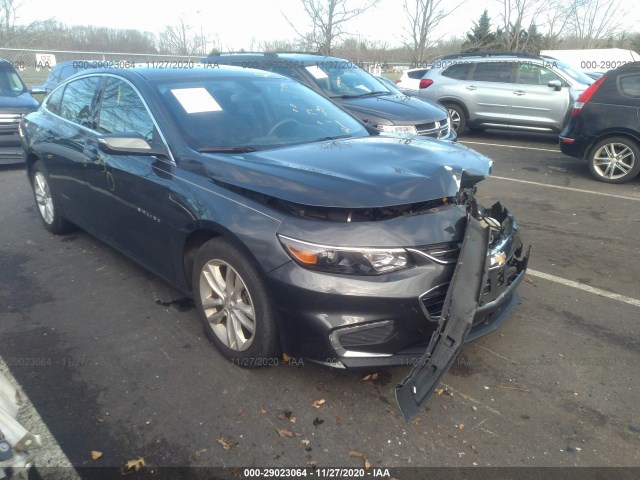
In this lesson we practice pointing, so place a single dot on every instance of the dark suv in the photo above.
(15, 102)
(604, 128)
(353, 89)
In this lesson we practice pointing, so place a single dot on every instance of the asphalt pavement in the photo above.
(115, 361)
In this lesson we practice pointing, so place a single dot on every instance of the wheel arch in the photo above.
(629, 134)
(30, 160)
(448, 101)
(202, 233)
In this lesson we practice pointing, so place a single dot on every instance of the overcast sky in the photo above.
(236, 22)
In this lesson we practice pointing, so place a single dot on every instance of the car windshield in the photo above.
(390, 85)
(345, 81)
(569, 70)
(242, 114)
(11, 84)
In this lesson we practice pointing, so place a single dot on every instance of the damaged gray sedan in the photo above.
(295, 228)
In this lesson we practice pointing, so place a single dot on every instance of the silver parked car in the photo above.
(504, 90)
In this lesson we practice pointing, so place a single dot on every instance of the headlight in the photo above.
(355, 261)
(406, 129)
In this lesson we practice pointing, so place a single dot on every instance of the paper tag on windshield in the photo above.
(317, 72)
(196, 100)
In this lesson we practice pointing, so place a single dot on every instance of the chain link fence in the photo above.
(34, 65)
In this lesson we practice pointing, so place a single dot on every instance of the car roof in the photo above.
(197, 71)
(301, 58)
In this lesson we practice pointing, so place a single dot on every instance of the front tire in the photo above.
(615, 160)
(458, 117)
(46, 201)
(234, 305)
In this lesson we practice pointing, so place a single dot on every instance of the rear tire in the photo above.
(47, 202)
(234, 305)
(615, 160)
(458, 117)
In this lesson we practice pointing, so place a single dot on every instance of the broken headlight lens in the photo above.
(354, 261)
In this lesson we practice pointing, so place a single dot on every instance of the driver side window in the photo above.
(122, 111)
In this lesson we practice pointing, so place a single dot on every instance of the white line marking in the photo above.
(587, 288)
(512, 146)
(621, 197)
(49, 454)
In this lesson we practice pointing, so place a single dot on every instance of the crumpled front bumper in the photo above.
(481, 294)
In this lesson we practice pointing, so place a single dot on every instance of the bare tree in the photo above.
(555, 20)
(328, 19)
(423, 17)
(180, 39)
(8, 17)
(593, 21)
(517, 17)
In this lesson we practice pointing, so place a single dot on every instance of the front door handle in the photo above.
(470, 87)
(518, 92)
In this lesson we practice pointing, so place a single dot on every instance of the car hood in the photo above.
(402, 110)
(364, 172)
(17, 103)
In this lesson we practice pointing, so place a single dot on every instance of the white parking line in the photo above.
(587, 288)
(510, 146)
(49, 455)
(539, 184)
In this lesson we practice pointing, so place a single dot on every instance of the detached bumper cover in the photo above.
(16, 442)
(462, 304)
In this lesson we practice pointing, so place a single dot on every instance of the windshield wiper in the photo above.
(335, 137)
(368, 94)
(232, 149)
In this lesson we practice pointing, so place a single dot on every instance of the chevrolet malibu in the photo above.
(293, 226)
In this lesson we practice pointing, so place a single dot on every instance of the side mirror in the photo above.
(38, 90)
(555, 84)
(127, 144)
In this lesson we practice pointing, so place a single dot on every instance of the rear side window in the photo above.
(630, 85)
(287, 72)
(122, 111)
(459, 71)
(53, 102)
(417, 74)
(493, 72)
(77, 101)
(531, 74)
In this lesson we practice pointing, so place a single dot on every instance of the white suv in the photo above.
(410, 79)
(504, 90)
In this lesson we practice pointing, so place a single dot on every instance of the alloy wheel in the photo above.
(613, 160)
(227, 305)
(43, 197)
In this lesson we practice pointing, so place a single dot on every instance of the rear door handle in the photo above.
(518, 92)
(470, 87)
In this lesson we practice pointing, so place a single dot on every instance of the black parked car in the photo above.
(604, 128)
(355, 90)
(294, 227)
(15, 101)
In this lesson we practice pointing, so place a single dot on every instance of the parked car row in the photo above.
(353, 89)
(295, 226)
(597, 116)
(15, 102)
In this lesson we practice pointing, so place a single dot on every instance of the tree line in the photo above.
(522, 25)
